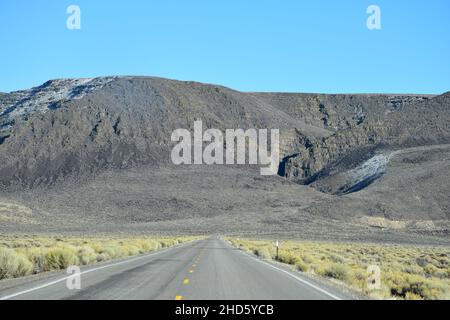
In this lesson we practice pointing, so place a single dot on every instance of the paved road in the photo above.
(206, 269)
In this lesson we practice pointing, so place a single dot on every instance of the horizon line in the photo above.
(229, 87)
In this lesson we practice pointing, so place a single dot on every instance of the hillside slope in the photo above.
(95, 154)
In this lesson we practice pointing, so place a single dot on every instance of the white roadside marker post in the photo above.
(277, 250)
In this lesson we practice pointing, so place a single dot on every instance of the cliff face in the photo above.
(79, 126)
(361, 125)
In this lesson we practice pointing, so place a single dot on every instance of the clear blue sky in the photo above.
(250, 45)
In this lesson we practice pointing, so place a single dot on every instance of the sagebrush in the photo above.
(407, 272)
(23, 255)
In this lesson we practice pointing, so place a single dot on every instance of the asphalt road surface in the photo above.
(202, 270)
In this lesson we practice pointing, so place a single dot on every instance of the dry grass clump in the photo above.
(13, 265)
(60, 258)
(21, 256)
(406, 272)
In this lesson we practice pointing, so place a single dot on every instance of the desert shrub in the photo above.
(307, 259)
(335, 271)
(287, 257)
(131, 250)
(24, 255)
(301, 266)
(336, 258)
(167, 243)
(112, 252)
(431, 270)
(412, 269)
(263, 253)
(148, 245)
(24, 267)
(13, 264)
(358, 278)
(407, 272)
(102, 257)
(60, 258)
(86, 255)
(412, 296)
(404, 285)
(97, 247)
(422, 261)
(37, 258)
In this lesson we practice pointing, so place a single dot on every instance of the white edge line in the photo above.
(293, 276)
(301, 280)
(48, 284)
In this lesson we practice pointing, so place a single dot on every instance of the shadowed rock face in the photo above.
(356, 179)
(73, 132)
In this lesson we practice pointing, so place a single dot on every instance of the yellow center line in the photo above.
(179, 298)
(186, 281)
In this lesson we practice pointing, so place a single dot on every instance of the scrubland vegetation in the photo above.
(21, 256)
(406, 272)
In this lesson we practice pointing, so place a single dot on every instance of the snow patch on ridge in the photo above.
(44, 97)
